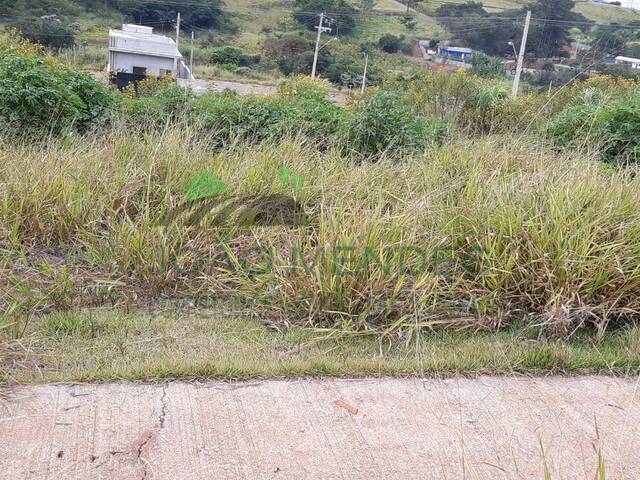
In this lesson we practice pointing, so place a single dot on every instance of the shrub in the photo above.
(487, 66)
(393, 44)
(570, 124)
(293, 54)
(383, 122)
(304, 87)
(230, 117)
(154, 102)
(603, 121)
(47, 31)
(467, 100)
(618, 129)
(225, 55)
(39, 94)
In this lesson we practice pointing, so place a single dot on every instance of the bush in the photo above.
(603, 120)
(39, 94)
(487, 66)
(383, 122)
(293, 54)
(230, 117)
(471, 102)
(49, 32)
(391, 43)
(225, 55)
(304, 87)
(155, 102)
(619, 130)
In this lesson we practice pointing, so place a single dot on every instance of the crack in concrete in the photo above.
(140, 458)
(149, 435)
(163, 402)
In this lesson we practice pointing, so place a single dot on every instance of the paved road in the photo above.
(485, 428)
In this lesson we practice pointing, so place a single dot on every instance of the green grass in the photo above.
(223, 342)
(505, 231)
(601, 13)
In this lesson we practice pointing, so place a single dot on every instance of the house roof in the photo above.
(141, 40)
(628, 59)
(458, 49)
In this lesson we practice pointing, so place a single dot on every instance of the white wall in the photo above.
(124, 62)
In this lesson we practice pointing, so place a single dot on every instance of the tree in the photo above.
(548, 36)
(611, 41)
(390, 43)
(293, 54)
(491, 32)
(199, 13)
(340, 16)
(488, 66)
(48, 31)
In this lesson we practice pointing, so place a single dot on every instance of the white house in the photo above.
(135, 52)
(632, 62)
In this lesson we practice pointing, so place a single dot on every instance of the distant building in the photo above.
(575, 48)
(135, 53)
(628, 61)
(458, 54)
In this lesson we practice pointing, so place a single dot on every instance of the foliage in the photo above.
(229, 55)
(47, 31)
(492, 30)
(227, 118)
(551, 35)
(610, 41)
(225, 55)
(472, 103)
(604, 116)
(390, 43)
(293, 54)
(155, 102)
(200, 14)
(340, 15)
(304, 87)
(39, 94)
(482, 233)
(347, 69)
(37, 8)
(488, 66)
(384, 122)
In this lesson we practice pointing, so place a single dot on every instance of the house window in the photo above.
(165, 72)
(142, 71)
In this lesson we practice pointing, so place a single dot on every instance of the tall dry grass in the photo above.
(482, 233)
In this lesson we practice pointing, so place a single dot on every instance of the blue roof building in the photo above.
(458, 54)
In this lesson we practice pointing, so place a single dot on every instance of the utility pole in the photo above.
(321, 30)
(523, 46)
(364, 76)
(191, 55)
(175, 60)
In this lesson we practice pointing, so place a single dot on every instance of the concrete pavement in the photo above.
(384, 428)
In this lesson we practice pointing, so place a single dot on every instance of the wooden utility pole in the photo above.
(523, 46)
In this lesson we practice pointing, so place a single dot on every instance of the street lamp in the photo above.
(515, 54)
